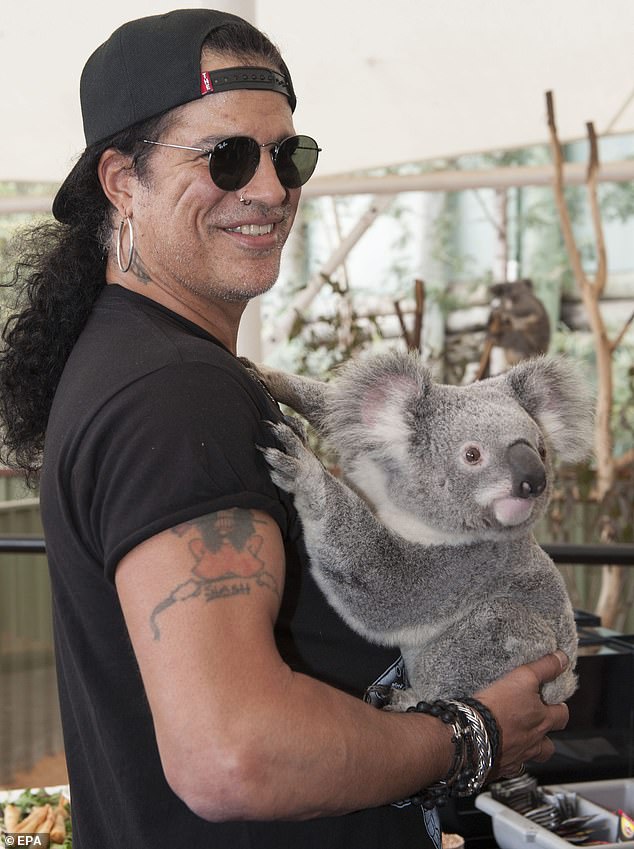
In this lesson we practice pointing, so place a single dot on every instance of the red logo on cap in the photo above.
(205, 83)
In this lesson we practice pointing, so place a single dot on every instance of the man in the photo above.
(210, 697)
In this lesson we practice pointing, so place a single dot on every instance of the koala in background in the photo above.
(430, 546)
(519, 322)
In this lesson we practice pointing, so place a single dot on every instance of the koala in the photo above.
(427, 542)
(519, 322)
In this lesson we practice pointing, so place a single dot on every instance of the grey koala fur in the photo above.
(428, 545)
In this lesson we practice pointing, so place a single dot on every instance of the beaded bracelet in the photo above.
(476, 743)
(437, 794)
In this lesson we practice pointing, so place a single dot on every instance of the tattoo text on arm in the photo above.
(225, 549)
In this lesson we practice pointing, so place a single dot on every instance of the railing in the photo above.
(22, 545)
(616, 554)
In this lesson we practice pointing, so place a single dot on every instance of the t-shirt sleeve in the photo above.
(179, 443)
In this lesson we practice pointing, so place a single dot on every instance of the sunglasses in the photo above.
(234, 161)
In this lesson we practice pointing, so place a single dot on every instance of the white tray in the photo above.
(514, 831)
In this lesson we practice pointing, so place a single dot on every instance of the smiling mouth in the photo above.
(252, 229)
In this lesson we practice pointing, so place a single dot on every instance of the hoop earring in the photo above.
(127, 221)
(244, 200)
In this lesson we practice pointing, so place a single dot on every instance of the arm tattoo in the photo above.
(225, 549)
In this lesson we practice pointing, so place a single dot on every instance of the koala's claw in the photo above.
(282, 468)
(298, 428)
(284, 464)
(294, 468)
(286, 436)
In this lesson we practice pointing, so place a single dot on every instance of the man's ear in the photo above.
(116, 175)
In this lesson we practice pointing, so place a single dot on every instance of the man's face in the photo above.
(195, 240)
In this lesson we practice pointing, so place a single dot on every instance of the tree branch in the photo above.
(564, 216)
(593, 199)
(616, 342)
(412, 340)
(624, 460)
(419, 290)
(401, 321)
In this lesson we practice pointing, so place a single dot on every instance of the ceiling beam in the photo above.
(430, 181)
(455, 181)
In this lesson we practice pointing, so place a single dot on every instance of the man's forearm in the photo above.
(310, 750)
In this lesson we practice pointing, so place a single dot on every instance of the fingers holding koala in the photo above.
(524, 719)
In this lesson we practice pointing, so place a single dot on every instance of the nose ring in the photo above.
(244, 200)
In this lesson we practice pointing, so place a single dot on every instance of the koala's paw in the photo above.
(256, 371)
(265, 375)
(400, 699)
(378, 695)
(386, 697)
(295, 468)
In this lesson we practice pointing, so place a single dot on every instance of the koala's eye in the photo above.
(472, 455)
(541, 450)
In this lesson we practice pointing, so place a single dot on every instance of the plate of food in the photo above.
(36, 812)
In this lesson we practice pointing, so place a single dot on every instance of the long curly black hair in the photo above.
(60, 270)
(58, 274)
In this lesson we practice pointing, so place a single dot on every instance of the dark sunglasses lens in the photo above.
(296, 160)
(233, 162)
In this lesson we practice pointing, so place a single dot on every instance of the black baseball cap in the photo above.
(151, 65)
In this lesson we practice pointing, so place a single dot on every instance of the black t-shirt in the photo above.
(155, 423)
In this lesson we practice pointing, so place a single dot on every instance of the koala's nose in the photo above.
(528, 474)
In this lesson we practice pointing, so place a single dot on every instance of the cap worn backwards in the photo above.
(151, 65)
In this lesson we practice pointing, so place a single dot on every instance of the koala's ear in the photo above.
(555, 392)
(390, 392)
(372, 396)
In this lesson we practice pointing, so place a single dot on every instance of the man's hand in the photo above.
(523, 718)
